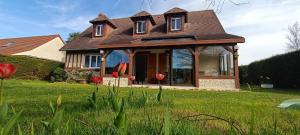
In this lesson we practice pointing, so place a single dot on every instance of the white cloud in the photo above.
(76, 24)
(60, 8)
(63, 15)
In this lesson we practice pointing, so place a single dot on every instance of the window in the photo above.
(99, 30)
(113, 59)
(175, 24)
(141, 27)
(182, 67)
(216, 61)
(92, 61)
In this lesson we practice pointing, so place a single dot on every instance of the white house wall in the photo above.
(49, 50)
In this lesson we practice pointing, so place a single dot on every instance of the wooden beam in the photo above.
(175, 43)
(236, 69)
(131, 54)
(103, 62)
(196, 67)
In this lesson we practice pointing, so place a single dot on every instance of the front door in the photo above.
(141, 68)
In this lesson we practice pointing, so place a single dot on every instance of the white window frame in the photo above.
(99, 30)
(142, 30)
(90, 60)
(176, 28)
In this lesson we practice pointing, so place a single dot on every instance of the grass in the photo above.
(256, 109)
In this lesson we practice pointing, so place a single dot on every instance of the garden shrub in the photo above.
(59, 75)
(283, 70)
(30, 67)
(243, 74)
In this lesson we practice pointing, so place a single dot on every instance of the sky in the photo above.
(263, 23)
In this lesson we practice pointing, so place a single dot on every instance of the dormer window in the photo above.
(140, 27)
(99, 30)
(175, 23)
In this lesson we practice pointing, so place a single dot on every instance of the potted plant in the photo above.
(266, 82)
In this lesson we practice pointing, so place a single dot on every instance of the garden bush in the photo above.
(283, 70)
(59, 75)
(31, 68)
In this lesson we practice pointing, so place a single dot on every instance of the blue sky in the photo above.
(262, 22)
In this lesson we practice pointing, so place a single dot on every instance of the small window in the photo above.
(141, 27)
(99, 30)
(92, 61)
(175, 24)
(87, 61)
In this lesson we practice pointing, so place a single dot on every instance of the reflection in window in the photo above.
(175, 23)
(182, 67)
(99, 30)
(215, 61)
(141, 27)
(113, 59)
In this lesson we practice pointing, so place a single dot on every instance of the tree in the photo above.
(293, 37)
(73, 36)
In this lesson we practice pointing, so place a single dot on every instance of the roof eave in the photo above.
(175, 43)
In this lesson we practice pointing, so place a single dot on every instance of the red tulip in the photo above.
(159, 76)
(96, 80)
(131, 78)
(122, 68)
(6, 70)
(115, 74)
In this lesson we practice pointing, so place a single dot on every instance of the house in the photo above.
(45, 47)
(192, 49)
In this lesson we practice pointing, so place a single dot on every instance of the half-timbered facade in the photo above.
(190, 48)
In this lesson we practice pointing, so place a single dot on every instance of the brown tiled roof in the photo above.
(202, 25)
(17, 45)
(102, 18)
(143, 14)
(175, 10)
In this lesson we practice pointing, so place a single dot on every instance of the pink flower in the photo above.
(115, 74)
(6, 70)
(159, 76)
(96, 80)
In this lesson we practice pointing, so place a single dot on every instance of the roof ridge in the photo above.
(56, 35)
(206, 10)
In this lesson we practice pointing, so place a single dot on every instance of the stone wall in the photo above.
(111, 80)
(217, 84)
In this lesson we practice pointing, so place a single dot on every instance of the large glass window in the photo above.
(113, 59)
(92, 61)
(182, 67)
(175, 23)
(215, 61)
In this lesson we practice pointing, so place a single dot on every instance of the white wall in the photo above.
(49, 50)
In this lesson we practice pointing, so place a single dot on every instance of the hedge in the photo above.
(284, 70)
(31, 68)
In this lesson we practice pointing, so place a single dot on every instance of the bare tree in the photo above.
(293, 37)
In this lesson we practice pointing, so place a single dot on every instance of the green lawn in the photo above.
(33, 98)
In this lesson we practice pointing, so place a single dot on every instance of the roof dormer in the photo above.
(102, 26)
(142, 23)
(176, 18)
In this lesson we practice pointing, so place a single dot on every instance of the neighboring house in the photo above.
(190, 48)
(45, 47)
